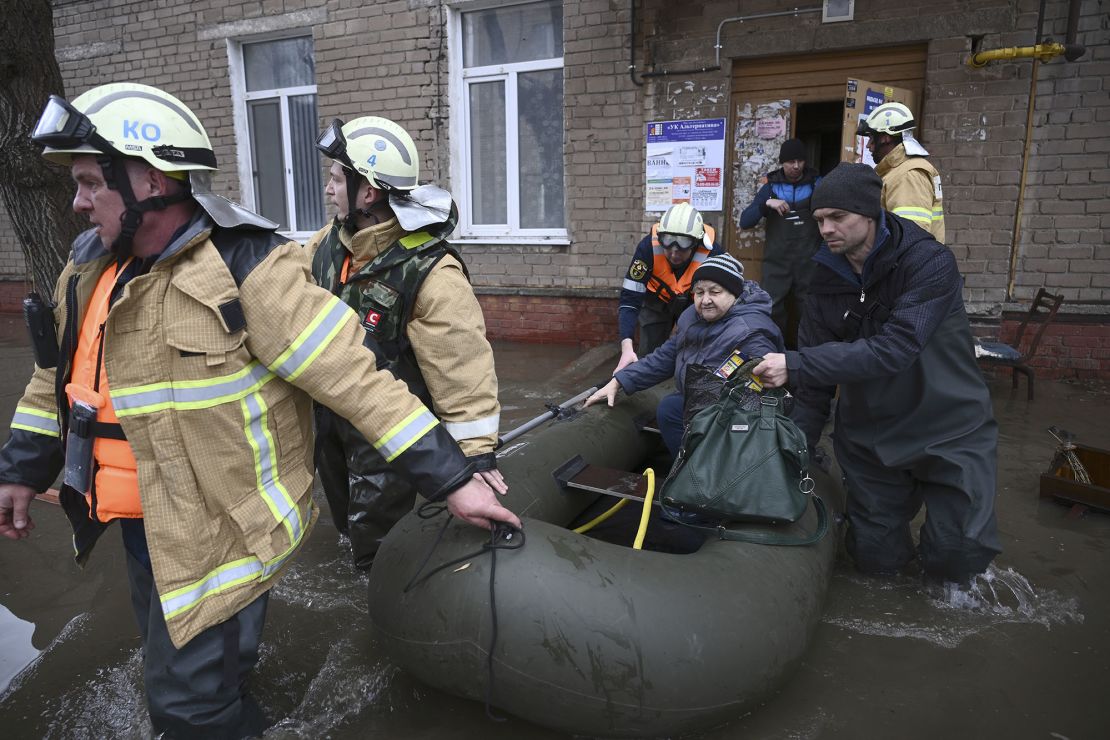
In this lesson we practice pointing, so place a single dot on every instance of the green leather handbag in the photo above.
(740, 464)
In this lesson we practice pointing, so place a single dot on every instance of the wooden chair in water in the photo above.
(996, 353)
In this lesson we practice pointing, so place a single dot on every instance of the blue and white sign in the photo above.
(685, 162)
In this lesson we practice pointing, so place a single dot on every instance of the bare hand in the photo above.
(780, 206)
(628, 356)
(476, 503)
(15, 523)
(608, 392)
(495, 480)
(772, 371)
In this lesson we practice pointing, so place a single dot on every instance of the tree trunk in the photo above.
(38, 195)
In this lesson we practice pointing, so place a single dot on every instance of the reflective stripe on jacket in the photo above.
(425, 318)
(219, 416)
(912, 190)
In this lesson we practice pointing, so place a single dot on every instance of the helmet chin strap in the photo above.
(115, 176)
(350, 222)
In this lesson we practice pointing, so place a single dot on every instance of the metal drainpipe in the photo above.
(742, 18)
(632, 46)
(1012, 277)
(695, 70)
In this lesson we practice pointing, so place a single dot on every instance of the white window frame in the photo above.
(460, 80)
(240, 99)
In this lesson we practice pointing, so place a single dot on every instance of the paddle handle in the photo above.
(528, 426)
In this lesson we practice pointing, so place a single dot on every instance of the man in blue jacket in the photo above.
(791, 234)
(885, 322)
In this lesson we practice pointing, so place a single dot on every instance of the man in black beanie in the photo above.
(791, 236)
(885, 323)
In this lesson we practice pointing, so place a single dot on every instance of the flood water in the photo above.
(1025, 654)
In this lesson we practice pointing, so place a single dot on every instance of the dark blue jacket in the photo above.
(747, 325)
(897, 342)
(631, 301)
(777, 186)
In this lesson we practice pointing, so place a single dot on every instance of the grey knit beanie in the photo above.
(723, 269)
(850, 187)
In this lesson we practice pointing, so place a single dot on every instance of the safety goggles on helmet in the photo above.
(64, 127)
(677, 241)
(333, 144)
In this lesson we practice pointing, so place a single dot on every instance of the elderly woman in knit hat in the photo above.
(729, 312)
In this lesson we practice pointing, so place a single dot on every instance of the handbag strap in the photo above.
(771, 538)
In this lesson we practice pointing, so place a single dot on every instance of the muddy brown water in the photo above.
(1025, 655)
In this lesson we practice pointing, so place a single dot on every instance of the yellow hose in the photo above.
(599, 519)
(642, 532)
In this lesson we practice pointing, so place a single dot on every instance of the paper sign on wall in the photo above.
(685, 160)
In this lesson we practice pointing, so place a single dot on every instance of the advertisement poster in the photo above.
(685, 164)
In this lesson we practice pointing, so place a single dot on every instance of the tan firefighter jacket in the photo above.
(912, 189)
(447, 333)
(213, 357)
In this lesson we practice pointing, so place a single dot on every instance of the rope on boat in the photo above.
(500, 537)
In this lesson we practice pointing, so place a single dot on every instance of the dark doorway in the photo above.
(818, 125)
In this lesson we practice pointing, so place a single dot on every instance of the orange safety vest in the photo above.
(115, 490)
(663, 282)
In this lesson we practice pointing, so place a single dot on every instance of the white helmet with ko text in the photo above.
(888, 118)
(127, 120)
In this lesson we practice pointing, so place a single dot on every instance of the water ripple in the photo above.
(946, 615)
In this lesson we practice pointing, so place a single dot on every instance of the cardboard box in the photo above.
(860, 98)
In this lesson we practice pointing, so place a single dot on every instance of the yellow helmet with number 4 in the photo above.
(376, 148)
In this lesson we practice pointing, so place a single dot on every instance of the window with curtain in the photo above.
(511, 123)
(279, 81)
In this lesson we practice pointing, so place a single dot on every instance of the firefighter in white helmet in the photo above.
(656, 286)
(386, 255)
(911, 184)
(175, 398)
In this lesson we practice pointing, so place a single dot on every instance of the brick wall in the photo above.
(976, 128)
(12, 263)
(1074, 347)
(392, 58)
(550, 319)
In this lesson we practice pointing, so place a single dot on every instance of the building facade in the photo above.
(534, 114)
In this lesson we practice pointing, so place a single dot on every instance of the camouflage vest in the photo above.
(384, 292)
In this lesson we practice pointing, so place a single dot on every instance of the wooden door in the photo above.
(757, 134)
(800, 78)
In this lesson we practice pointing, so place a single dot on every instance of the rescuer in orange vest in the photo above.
(176, 399)
(656, 287)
